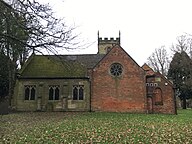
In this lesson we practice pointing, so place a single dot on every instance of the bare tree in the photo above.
(45, 31)
(159, 60)
(27, 26)
(189, 42)
(184, 43)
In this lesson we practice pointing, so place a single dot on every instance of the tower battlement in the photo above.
(109, 40)
(105, 44)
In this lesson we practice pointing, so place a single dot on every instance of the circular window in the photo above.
(116, 69)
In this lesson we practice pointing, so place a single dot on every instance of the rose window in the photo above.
(116, 69)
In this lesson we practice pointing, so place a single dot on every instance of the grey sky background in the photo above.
(144, 24)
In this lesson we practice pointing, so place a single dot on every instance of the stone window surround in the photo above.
(55, 94)
(31, 96)
(116, 69)
(79, 94)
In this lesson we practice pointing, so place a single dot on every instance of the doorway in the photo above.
(150, 105)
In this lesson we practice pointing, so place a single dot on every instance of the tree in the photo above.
(13, 49)
(3, 76)
(180, 71)
(184, 43)
(45, 31)
(159, 60)
(28, 26)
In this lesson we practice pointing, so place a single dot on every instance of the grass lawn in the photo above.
(62, 127)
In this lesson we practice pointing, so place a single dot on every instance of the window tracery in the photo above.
(116, 69)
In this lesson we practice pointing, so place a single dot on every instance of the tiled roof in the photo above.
(87, 60)
(60, 66)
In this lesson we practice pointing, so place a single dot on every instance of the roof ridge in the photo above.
(71, 55)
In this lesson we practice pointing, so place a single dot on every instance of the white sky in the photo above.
(144, 24)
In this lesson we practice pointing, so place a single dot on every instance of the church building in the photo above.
(109, 81)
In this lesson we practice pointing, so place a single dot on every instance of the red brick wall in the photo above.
(168, 105)
(124, 94)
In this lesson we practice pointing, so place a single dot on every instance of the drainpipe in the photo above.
(90, 92)
(90, 76)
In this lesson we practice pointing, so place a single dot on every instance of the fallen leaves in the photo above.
(62, 127)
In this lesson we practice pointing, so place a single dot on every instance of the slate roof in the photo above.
(87, 60)
(68, 66)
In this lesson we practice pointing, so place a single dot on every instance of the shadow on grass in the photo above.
(4, 106)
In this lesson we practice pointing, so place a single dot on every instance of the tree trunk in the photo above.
(184, 102)
(9, 60)
(10, 81)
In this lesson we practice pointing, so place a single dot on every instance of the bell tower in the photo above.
(105, 45)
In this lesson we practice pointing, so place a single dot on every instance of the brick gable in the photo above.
(125, 93)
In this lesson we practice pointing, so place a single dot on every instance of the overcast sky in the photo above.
(144, 24)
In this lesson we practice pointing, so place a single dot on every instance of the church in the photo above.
(109, 81)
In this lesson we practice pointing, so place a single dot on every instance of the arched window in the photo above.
(81, 93)
(158, 96)
(78, 92)
(75, 93)
(50, 93)
(30, 92)
(54, 92)
(107, 49)
(27, 93)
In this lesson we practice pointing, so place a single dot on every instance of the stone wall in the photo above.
(42, 102)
